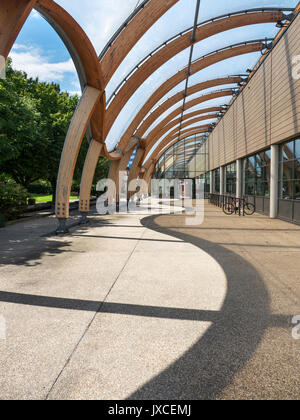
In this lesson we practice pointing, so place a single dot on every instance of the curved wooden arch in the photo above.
(13, 14)
(178, 78)
(189, 105)
(173, 134)
(171, 101)
(176, 129)
(177, 98)
(83, 54)
(191, 132)
(174, 137)
(156, 155)
(177, 46)
(197, 101)
(90, 116)
(130, 35)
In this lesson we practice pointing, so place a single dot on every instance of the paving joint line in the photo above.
(94, 317)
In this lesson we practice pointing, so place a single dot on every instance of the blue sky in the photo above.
(40, 52)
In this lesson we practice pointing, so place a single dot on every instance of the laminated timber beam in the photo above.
(153, 63)
(89, 169)
(176, 123)
(167, 86)
(13, 14)
(117, 168)
(71, 149)
(172, 139)
(84, 56)
(223, 93)
(130, 33)
(177, 98)
(195, 102)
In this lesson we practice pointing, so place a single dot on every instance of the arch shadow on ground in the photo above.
(207, 368)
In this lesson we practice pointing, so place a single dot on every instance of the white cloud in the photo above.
(35, 14)
(30, 60)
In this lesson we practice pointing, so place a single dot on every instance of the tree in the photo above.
(102, 168)
(19, 128)
(34, 120)
(56, 110)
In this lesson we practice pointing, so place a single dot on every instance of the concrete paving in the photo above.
(147, 307)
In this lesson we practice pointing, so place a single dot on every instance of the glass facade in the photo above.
(217, 180)
(289, 170)
(185, 160)
(230, 179)
(257, 174)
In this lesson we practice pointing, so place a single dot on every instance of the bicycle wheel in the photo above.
(228, 208)
(249, 209)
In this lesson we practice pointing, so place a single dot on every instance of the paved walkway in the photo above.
(145, 307)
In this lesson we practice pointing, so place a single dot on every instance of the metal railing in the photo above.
(222, 200)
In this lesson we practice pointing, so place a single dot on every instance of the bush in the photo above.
(40, 188)
(13, 200)
(75, 189)
(2, 220)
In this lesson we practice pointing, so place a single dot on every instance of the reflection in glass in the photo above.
(257, 174)
(186, 159)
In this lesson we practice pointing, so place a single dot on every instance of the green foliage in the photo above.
(102, 170)
(13, 200)
(34, 119)
(2, 220)
(40, 188)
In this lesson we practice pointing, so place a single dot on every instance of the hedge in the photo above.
(41, 188)
(13, 200)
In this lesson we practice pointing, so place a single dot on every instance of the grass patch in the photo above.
(46, 198)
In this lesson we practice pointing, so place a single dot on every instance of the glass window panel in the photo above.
(250, 188)
(297, 190)
(268, 155)
(260, 188)
(288, 151)
(286, 189)
(297, 148)
(251, 164)
(266, 173)
(297, 169)
(287, 170)
(259, 172)
(266, 189)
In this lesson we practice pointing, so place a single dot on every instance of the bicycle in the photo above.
(230, 208)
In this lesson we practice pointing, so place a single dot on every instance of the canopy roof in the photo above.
(168, 72)
(148, 42)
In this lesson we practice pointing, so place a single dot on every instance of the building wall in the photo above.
(268, 109)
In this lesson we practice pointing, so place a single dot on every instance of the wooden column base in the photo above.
(62, 227)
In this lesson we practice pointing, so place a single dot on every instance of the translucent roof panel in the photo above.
(101, 18)
(141, 95)
(211, 9)
(181, 15)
